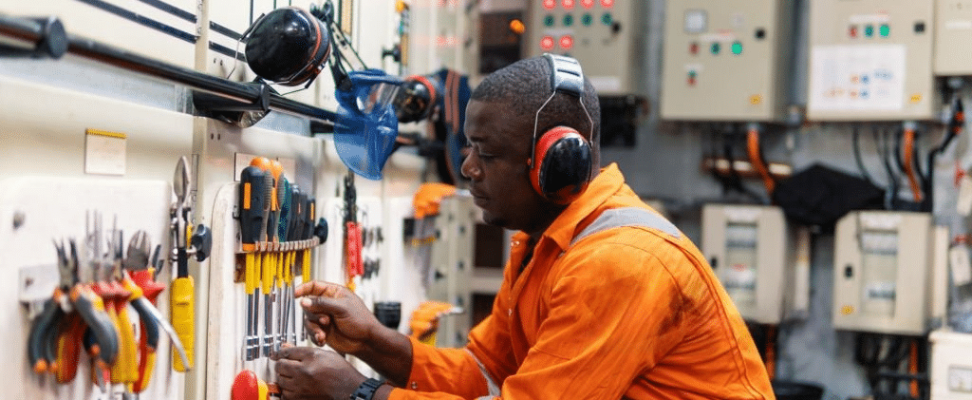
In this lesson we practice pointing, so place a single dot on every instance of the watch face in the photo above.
(696, 21)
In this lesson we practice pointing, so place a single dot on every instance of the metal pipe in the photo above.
(33, 36)
(31, 31)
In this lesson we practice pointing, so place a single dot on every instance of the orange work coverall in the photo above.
(629, 312)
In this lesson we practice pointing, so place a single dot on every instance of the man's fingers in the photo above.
(292, 353)
(322, 305)
(317, 288)
(317, 334)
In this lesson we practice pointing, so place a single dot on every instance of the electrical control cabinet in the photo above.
(871, 60)
(452, 268)
(953, 34)
(726, 60)
(442, 34)
(752, 252)
(951, 365)
(881, 272)
(606, 36)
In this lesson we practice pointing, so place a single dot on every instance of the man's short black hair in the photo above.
(526, 84)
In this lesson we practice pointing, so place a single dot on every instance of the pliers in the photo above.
(70, 296)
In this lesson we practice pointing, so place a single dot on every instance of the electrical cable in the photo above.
(891, 194)
(756, 159)
(857, 156)
(909, 143)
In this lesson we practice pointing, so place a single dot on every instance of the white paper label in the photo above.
(958, 259)
(964, 203)
(859, 77)
(104, 152)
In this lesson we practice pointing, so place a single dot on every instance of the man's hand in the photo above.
(309, 373)
(337, 317)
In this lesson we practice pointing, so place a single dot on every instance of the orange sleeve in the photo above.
(456, 373)
(610, 302)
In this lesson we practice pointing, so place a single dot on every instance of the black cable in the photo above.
(892, 190)
(857, 156)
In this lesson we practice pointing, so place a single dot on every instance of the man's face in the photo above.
(497, 167)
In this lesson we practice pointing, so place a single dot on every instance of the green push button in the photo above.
(568, 20)
(885, 30)
(587, 19)
(548, 20)
(737, 48)
(607, 19)
(715, 48)
(869, 31)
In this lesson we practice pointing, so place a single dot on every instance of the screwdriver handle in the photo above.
(251, 204)
(128, 364)
(183, 319)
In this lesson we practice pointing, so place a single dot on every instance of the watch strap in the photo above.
(367, 389)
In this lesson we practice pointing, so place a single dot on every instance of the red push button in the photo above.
(547, 43)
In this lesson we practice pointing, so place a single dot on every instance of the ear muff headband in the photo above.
(561, 160)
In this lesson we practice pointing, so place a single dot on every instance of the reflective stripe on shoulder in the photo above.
(629, 216)
(494, 389)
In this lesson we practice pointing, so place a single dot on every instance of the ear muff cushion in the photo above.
(562, 165)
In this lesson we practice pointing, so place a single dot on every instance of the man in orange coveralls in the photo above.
(602, 298)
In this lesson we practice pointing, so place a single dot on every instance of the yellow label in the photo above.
(97, 132)
(915, 98)
(847, 310)
(755, 99)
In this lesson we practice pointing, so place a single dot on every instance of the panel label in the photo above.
(855, 78)
(104, 152)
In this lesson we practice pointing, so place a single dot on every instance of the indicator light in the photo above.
(548, 20)
(566, 42)
(607, 3)
(587, 19)
(607, 19)
(568, 4)
(549, 4)
(885, 30)
(737, 48)
(715, 48)
(547, 43)
(568, 20)
(869, 30)
(587, 3)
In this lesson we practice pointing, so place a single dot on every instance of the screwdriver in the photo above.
(284, 194)
(267, 263)
(251, 201)
(276, 169)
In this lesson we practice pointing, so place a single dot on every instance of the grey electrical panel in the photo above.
(606, 36)
(726, 60)
(871, 60)
(881, 272)
(953, 37)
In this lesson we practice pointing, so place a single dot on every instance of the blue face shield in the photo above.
(366, 125)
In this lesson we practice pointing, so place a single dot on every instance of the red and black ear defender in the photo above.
(562, 159)
(288, 46)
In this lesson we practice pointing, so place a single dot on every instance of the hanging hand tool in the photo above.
(105, 288)
(252, 198)
(352, 232)
(267, 269)
(284, 194)
(273, 230)
(126, 367)
(187, 241)
(144, 291)
(69, 348)
(72, 295)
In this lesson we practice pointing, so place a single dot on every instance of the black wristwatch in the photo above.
(367, 389)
